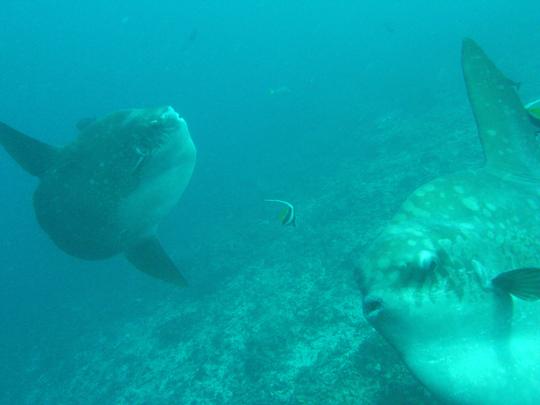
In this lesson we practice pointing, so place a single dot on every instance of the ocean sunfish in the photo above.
(106, 192)
(451, 281)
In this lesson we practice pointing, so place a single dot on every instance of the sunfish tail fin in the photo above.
(507, 134)
(149, 257)
(32, 155)
(521, 283)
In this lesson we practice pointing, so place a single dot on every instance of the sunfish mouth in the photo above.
(372, 307)
(168, 120)
(166, 131)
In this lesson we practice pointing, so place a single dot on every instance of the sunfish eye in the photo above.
(427, 261)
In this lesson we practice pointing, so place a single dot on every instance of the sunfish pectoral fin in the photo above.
(32, 155)
(521, 283)
(149, 257)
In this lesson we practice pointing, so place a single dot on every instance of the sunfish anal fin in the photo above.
(521, 283)
(32, 155)
(149, 257)
(507, 134)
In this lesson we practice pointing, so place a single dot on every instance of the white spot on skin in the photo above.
(428, 244)
(421, 213)
(413, 231)
(471, 203)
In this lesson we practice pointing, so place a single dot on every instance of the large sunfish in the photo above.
(106, 192)
(451, 281)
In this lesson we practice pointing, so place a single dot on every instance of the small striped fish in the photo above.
(287, 215)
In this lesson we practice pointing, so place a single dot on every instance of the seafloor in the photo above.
(284, 326)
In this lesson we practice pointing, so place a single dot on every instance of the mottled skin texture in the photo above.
(78, 198)
(426, 280)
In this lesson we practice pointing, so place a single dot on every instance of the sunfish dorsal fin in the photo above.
(504, 126)
(32, 155)
(149, 257)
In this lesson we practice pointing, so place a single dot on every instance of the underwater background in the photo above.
(341, 107)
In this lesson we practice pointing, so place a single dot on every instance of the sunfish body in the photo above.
(450, 282)
(106, 192)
